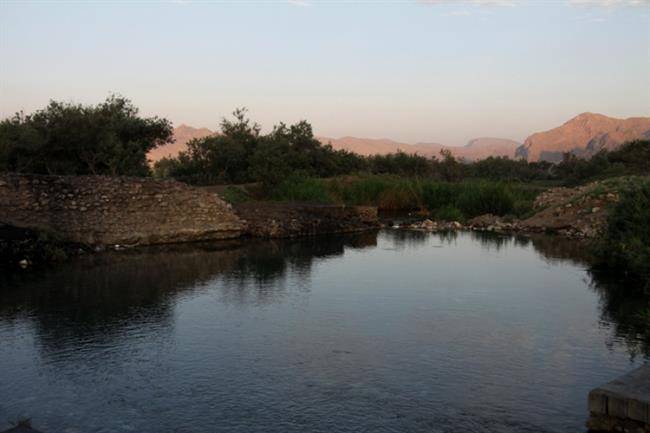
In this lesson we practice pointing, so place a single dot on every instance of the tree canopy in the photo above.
(241, 153)
(64, 138)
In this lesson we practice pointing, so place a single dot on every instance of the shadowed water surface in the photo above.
(389, 332)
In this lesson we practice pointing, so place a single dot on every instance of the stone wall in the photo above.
(115, 210)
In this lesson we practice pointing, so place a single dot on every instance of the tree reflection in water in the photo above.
(97, 298)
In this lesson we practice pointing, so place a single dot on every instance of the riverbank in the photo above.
(577, 213)
(46, 219)
(50, 218)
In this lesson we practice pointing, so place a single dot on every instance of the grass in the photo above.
(449, 213)
(302, 189)
(445, 200)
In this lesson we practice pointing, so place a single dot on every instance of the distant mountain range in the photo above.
(584, 135)
(478, 148)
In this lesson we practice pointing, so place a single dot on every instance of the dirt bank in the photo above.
(282, 220)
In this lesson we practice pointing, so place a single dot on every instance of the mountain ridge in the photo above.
(584, 135)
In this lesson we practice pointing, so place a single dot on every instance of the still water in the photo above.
(388, 332)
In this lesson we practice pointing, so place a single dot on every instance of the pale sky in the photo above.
(414, 71)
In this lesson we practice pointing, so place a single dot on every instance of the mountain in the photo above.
(478, 148)
(481, 148)
(380, 146)
(182, 135)
(584, 135)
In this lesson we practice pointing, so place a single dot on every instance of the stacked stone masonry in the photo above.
(115, 210)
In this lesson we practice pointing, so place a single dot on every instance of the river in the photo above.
(376, 332)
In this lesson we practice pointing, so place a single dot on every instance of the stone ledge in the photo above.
(622, 405)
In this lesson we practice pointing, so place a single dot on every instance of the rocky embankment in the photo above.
(103, 210)
(50, 218)
(284, 220)
(579, 212)
(43, 217)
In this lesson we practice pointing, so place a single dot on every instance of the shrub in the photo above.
(625, 247)
(109, 138)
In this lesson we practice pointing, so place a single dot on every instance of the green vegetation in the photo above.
(63, 138)
(625, 247)
(632, 158)
(290, 164)
(447, 200)
(240, 153)
(302, 189)
(235, 194)
(111, 138)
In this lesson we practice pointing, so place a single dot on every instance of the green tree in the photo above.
(64, 138)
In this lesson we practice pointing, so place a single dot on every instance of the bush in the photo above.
(109, 138)
(240, 154)
(625, 247)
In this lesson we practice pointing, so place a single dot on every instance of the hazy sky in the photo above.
(436, 71)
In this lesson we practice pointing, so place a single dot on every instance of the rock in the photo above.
(595, 209)
(78, 209)
(456, 225)
(23, 263)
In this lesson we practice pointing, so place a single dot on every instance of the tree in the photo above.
(64, 138)
(240, 153)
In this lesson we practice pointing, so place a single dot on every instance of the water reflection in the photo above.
(412, 321)
(629, 315)
(97, 297)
